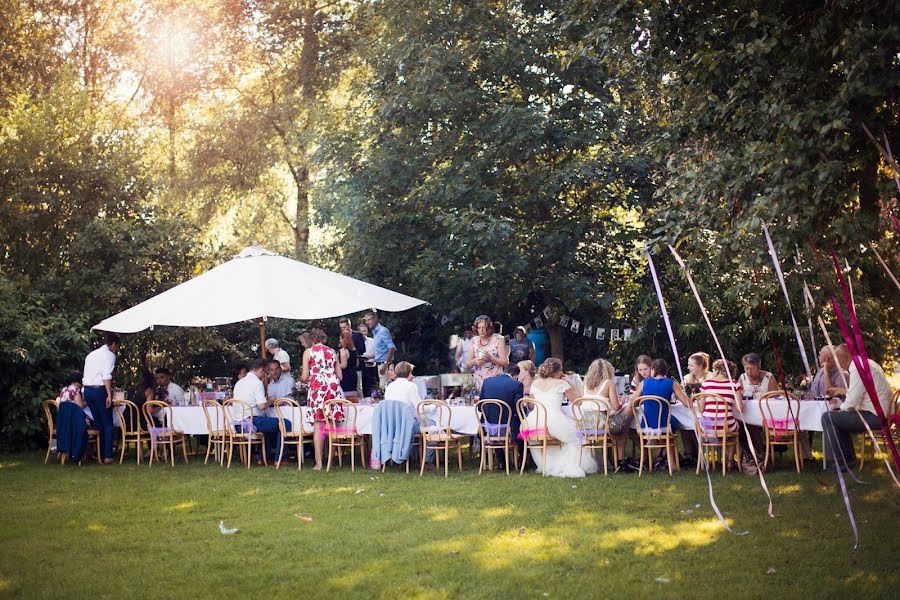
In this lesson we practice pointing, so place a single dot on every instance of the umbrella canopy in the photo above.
(257, 283)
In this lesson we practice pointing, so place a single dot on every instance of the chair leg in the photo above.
(524, 458)
(446, 459)
(422, 462)
(184, 450)
(669, 454)
(506, 456)
(544, 459)
(605, 457)
(330, 454)
(459, 456)
(47, 456)
(797, 458)
(862, 452)
(641, 464)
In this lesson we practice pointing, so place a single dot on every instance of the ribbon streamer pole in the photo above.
(701, 456)
(731, 379)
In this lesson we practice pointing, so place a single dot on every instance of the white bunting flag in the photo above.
(564, 321)
(445, 319)
(589, 331)
(601, 333)
(627, 334)
(538, 322)
(576, 325)
(614, 335)
(547, 311)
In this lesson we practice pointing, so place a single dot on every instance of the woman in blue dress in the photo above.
(660, 384)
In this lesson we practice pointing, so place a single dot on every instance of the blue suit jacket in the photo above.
(505, 388)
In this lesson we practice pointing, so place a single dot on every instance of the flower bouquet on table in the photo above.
(801, 385)
(300, 393)
(691, 388)
(469, 395)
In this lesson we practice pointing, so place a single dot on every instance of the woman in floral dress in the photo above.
(323, 373)
(488, 355)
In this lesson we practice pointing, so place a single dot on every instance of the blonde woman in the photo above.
(549, 389)
(698, 370)
(600, 382)
(527, 371)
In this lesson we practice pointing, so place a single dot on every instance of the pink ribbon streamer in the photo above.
(703, 311)
(701, 456)
(524, 434)
(339, 430)
(787, 299)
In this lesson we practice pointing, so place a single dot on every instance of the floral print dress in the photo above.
(323, 383)
(482, 371)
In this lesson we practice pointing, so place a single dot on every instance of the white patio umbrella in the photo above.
(257, 284)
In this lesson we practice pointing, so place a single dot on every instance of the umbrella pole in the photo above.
(262, 339)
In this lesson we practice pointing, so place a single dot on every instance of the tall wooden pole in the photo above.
(262, 339)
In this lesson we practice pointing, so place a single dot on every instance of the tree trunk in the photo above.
(868, 189)
(301, 223)
(556, 341)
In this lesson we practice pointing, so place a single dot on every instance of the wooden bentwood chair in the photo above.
(495, 436)
(535, 435)
(865, 441)
(714, 435)
(166, 436)
(50, 407)
(657, 435)
(216, 432)
(438, 437)
(784, 429)
(131, 429)
(591, 416)
(343, 434)
(240, 432)
(297, 436)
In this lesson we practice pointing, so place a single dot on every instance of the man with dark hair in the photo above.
(281, 384)
(98, 391)
(250, 390)
(507, 389)
(166, 389)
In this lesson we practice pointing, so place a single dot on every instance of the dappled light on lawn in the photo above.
(658, 539)
(516, 546)
(184, 506)
(791, 488)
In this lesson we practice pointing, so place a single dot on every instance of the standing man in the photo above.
(384, 347)
(367, 358)
(98, 392)
(278, 354)
(251, 391)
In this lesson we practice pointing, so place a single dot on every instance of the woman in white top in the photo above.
(754, 380)
(600, 383)
(549, 389)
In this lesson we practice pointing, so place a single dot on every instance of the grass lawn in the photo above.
(136, 531)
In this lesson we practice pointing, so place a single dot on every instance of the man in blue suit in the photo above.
(507, 388)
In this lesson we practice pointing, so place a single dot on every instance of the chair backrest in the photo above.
(152, 406)
(332, 425)
(294, 409)
(129, 417)
(663, 407)
(591, 414)
(440, 413)
(497, 428)
(789, 418)
(894, 406)
(215, 416)
(236, 412)
(527, 405)
(50, 407)
(708, 427)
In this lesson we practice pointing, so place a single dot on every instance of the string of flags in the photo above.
(566, 322)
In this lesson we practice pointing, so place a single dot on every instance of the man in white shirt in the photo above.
(98, 393)
(251, 391)
(278, 354)
(402, 389)
(172, 392)
(838, 425)
(281, 385)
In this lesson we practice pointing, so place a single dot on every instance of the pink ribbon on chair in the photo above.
(524, 434)
(339, 430)
(247, 431)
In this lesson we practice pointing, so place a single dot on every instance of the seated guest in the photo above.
(600, 382)
(641, 370)
(71, 422)
(509, 390)
(143, 392)
(828, 375)
(281, 385)
(251, 391)
(754, 381)
(698, 368)
(714, 411)
(278, 354)
(527, 372)
(167, 390)
(402, 389)
(659, 384)
(839, 424)
(348, 358)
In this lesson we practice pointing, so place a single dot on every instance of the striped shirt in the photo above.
(718, 411)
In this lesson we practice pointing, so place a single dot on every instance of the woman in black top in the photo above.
(348, 359)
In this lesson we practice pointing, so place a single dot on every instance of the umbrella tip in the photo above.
(251, 251)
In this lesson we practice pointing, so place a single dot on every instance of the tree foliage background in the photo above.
(491, 157)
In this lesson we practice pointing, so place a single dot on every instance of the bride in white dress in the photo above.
(549, 389)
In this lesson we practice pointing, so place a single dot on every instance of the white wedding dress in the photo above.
(561, 462)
